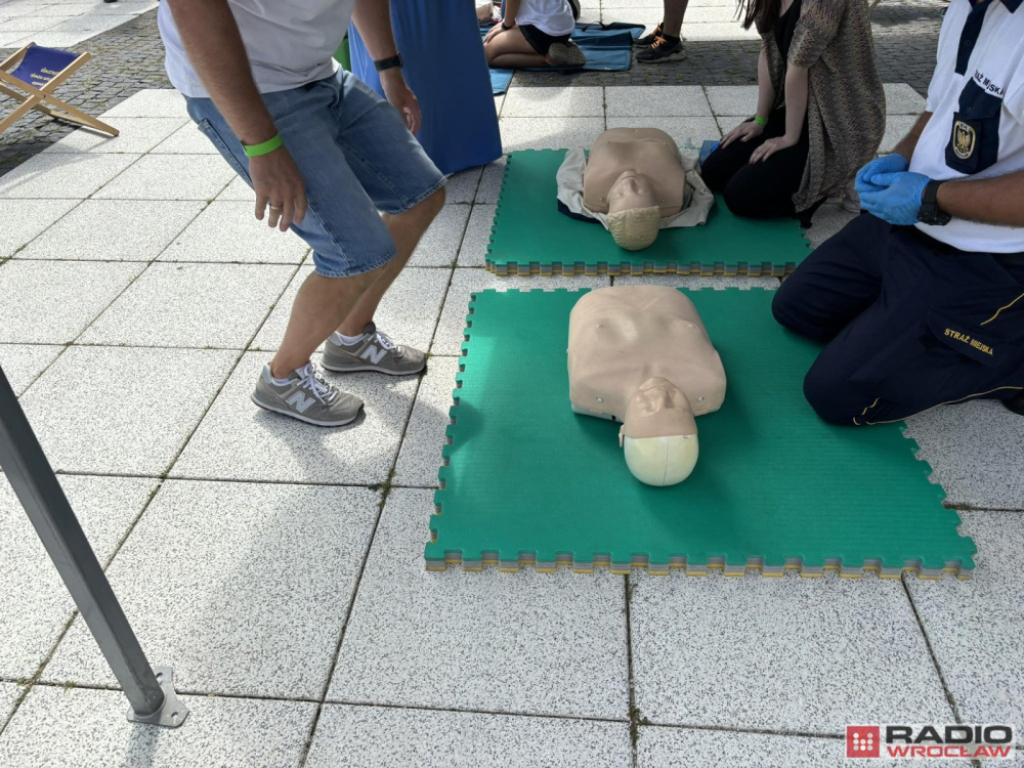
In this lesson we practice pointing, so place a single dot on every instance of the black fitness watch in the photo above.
(930, 212)
(506, 27)
(391, 63)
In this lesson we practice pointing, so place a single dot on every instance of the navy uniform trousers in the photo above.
(908, 323)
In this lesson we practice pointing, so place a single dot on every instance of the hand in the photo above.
(494, 32)
(885, 164)
(279, 185)
(895, 197)
(401, 97)
(744, 132)
(772, 146)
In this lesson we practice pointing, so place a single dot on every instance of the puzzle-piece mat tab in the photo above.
(526, 481)
(530, 236)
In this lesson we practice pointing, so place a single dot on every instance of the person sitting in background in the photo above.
(820, 110)
(534, 33)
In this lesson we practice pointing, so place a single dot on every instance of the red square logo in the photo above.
(863, 741)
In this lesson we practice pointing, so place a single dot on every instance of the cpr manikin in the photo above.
(635, 181)
(640, 355)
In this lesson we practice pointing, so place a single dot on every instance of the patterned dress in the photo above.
(845, 98)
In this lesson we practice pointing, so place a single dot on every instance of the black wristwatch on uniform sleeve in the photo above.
(390, 63)
(930, 212)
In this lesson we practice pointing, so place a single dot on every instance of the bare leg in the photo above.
(406, 229)
(674, 12)
(509, 50)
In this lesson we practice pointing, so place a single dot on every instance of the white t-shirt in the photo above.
(289, 42)
(977, 100)
(552, 17)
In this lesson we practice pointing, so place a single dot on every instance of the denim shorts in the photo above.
(356, 157)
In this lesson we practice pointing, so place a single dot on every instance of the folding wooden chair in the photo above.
(36, 72)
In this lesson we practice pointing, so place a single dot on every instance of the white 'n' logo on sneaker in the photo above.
(301, 402)
(373, 354)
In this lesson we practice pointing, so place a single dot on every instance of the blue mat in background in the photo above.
(608, 48)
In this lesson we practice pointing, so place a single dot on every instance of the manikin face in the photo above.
(631, 190)
(659, 436)
(659, 409)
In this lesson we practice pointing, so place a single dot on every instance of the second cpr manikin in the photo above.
(640, 355)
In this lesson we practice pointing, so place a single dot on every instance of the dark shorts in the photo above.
(541, 41)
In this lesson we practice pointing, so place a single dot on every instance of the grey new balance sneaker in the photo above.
(306, 396)
(374, 352)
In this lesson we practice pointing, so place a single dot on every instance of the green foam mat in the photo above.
(530, 236)
(526, 481)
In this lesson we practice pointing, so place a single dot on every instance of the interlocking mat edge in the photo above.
(530, 222)
(949, 551)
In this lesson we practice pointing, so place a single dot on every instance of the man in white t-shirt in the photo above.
(920, 301)
(324, 154)
(534, 33)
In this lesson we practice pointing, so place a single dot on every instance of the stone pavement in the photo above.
(279, 568)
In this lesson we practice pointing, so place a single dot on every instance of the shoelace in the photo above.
(313, 381)
(385, 341)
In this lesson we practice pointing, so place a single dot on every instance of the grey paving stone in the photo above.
(496, 633)
(976, 628)
(84, 728)
(726, 31)
(449, 336)
(733, 100)
(827, 221)
(490, 182)
(793, 654)
(169, 177)
(114, 230)
(9, 693)
(52, 302)
(715, 14)
(239, 441)
(408, 312)
(549, 132)
(478, 237)
(370, 737)
(75, 30)
(187, 140)
(697, 283)
(902, 99)
(131, 410)
(439, 246)
(420, 456)
(896, 127)
(462, 186)
(24, 219)
(34, 603)
(192, 305)
(67, 176)
(687, 131)
(680, 748)
(499, 102)
(976, 451)
(151, 103)
(554, 102)
(22, 363)
(657, 101)
(229, 231)
(138, 135)
(244, 587)
(238, 190)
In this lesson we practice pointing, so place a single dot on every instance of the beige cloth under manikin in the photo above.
(640, 355)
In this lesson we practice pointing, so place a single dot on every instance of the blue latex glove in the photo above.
(884, 164)
(896, 197)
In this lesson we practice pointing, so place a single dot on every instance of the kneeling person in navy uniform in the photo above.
(920, 301)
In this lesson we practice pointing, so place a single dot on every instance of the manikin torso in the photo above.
(649, 152)
(640, 355)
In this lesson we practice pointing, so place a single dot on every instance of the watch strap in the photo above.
(930, 212)
(389, 63)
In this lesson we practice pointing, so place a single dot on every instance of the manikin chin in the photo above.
(640, 355)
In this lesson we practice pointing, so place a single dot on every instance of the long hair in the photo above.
(761, 13)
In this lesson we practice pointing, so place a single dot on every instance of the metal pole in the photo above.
(151, 694)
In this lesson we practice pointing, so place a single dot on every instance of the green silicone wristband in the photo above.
(258, 150)
(762, 121)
